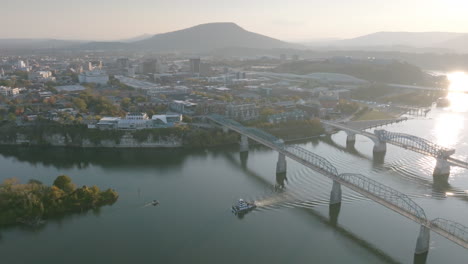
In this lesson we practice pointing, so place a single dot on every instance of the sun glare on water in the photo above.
(458, 91)
(450, 125)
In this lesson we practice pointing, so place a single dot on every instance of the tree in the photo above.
(64, 183)
(33, 181)
(125, 103)
(11, 117)
(80, 104)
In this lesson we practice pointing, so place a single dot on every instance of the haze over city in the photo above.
(294, 20)
(253, 132)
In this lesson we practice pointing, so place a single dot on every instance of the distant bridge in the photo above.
(367, 187)
(416, 87)
(381, 137)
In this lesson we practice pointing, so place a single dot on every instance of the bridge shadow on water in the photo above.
(280, 187)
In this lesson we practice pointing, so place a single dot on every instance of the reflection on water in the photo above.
(449, 125)
(457, 92)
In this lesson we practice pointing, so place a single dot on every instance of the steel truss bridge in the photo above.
(414, 143)
(410, 142)
(375, 191)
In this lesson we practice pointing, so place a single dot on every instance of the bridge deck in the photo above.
(367, 124)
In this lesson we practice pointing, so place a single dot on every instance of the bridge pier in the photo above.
(442, 168)
(280, 180)
(328, 129)
(244, 143)
(380, 146)
(350, 139)
(281, 164)
(244, 156)
(422, 244)
(335, 195)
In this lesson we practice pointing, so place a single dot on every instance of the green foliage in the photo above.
(418, 98)
(187, 119)
(74, 133)
(99, 104)
(80, 104)
(64, 183)
(144, 134)
(347, 107)
(394, 72)
(25, 203)
(7, 83)
(373, 91)
(294, 129)
(209, 138)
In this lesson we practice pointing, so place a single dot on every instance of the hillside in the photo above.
(413, 39)
(459, 44)
(36, 44)
(394, 72)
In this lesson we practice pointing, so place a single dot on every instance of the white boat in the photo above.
(243, 207)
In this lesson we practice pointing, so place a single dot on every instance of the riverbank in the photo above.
(52, 134)
(49, 133)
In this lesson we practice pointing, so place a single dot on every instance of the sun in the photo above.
(458, 82)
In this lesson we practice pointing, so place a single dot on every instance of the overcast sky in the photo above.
(283, 19)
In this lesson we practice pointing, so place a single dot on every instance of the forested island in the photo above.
(32, 202)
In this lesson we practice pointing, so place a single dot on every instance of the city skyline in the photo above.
(298, 20)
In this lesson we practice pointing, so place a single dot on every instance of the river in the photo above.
(195, 188)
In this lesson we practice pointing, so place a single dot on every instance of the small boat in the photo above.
(155, 202)
(243, 207)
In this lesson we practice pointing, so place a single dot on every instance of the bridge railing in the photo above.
(414, 142)
(314, 159)
(458, 230)
(386, 193)
(248, 130)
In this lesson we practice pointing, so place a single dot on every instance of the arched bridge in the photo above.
(381, 137)
(361, 184)
(414, 143)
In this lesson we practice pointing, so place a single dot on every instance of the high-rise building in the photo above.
(195, 66)
(21, 64)
(88, 66)
(96, 65)
(95, 76)
(150, 66)
(123, 63)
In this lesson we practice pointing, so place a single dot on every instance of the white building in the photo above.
(168, 120)
(22, 66)
(95, 76)
(41, 76)
(139, 121)
(108, 123)
(9, 92)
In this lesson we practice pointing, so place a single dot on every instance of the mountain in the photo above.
(412, 39)
(208, 37)
(102, 46)
(137, 38)
(36, 44)
(459, 44)
(201, 38)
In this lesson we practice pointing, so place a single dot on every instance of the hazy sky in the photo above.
(283, 19)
